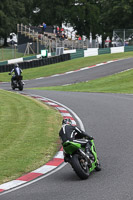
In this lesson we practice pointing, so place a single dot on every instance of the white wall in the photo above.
(91, 52)
(117, 49)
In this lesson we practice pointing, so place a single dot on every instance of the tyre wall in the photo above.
(36, 62)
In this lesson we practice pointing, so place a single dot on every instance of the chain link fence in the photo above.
(8, 53)
(123, 37)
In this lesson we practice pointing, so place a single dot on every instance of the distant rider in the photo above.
(17, 72)
(73, 133)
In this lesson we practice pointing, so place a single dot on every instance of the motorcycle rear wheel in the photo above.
(12, 86)
(20, 86)
(80, 166)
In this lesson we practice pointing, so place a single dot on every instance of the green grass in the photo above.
(66, 66)
(117, 83)
(28, 134)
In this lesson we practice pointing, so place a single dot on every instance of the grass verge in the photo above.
(117, 83)
(28, 134)
(66, 66)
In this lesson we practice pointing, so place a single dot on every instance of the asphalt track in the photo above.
(109, 118)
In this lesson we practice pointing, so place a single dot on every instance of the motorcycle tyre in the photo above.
(98, 166)
(20, 86)
(78, 168)
(12, 87)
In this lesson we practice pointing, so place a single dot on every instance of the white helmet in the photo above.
(67, 121)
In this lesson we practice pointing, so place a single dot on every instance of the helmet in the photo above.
(16, 65)
(67, 121)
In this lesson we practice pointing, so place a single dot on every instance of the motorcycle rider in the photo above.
(75, 134)
(17, 72)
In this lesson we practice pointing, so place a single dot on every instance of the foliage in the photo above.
(96, 16)
(115, 15)
(83, 16)
(51, 12)
(13, 12)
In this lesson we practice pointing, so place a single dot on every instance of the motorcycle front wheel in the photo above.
(80, 166)
(98, 165)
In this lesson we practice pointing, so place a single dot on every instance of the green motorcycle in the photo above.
(82, 163)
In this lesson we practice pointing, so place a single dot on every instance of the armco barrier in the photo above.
(128, 48)
(3, 63)
(104, 51)
(79, 53)
(36, 63)
(29, 58)
(95, 51)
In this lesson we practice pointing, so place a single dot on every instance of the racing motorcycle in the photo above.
(17, 82)
(82, 162)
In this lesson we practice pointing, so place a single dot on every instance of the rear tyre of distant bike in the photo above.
(12, 86)
(20, 86)
(80, 166)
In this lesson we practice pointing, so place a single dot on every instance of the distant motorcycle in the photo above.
(17, 82)
(80, 161)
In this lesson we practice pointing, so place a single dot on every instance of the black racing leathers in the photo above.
(17, 71)
(69, 132)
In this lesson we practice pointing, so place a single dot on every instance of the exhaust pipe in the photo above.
(84, 154)
(86, 157)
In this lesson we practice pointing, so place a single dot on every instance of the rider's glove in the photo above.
(89, 137)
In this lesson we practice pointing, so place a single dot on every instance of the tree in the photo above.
(115, 15)
(83, 15)
(13, 12)
(51, 12)
(95, 16)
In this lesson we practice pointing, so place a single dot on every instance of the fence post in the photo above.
(15, 50)
(29, 32)
(21, 28)
(25, 30)
(2, 54)
(17, 27)
(37, 46)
